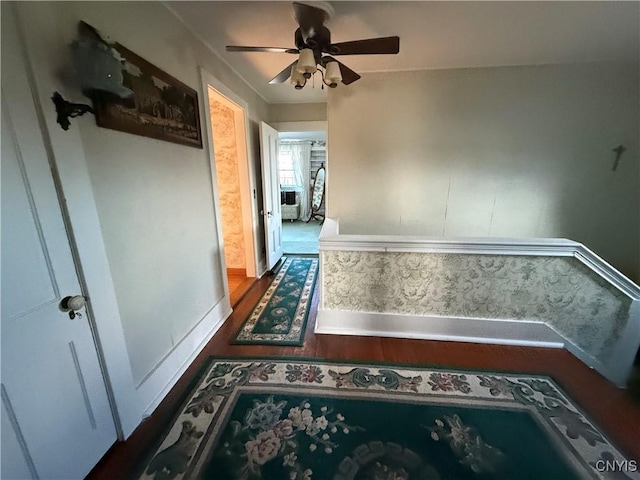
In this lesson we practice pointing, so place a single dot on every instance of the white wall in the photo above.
(297, 112)
(499, 152)
(154, 199)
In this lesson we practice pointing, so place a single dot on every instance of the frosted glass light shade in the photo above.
(297, 79)
(333, 74)
(306, 63)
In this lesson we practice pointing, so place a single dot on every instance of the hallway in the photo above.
(609, 407)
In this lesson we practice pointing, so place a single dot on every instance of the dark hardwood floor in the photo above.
(238, 285)
(612, 409)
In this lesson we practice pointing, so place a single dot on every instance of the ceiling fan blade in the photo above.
(348, 75)
(370, 46)
(283, 75)
(238, 48)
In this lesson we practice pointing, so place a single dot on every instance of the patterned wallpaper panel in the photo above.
(557, 290)
(224, 142)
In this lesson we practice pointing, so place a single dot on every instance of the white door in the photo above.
(271, 194)
(56, 418)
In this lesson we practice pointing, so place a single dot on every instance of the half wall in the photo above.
(545, 292)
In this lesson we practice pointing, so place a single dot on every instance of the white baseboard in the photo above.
(156, 386)
(618, 365)
(478, 330)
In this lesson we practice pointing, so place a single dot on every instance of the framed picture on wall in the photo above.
(161, 106)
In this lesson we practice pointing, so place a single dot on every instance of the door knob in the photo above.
(72, 304)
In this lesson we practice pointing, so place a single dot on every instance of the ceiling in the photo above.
(433, 35)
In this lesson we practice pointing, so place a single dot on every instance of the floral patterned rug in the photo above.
(308, 419)
(280, 317)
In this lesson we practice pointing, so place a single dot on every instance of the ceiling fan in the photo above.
(313, 45)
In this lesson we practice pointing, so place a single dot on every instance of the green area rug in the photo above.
(280, 317)
(308, 419)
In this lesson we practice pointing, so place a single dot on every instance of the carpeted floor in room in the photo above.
(300, 237)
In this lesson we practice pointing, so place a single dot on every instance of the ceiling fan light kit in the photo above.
(313, 39)
(306, 63)
(296, 78)
(333, 75)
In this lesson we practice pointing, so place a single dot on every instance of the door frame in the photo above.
(71, 177)
(42, 321)
(246, 172)
(310, 126)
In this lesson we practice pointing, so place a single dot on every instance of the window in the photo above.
(285, 166)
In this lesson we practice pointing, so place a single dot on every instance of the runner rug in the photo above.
(280, 317)
(308, 419)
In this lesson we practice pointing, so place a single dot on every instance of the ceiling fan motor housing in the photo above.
(319, 42)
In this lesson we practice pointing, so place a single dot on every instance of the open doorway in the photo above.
(234, 190)
(301, 156)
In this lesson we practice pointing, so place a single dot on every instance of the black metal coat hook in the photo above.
(619, 151)
(66, 110)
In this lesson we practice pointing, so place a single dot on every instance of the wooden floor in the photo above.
(609, 407)
(238, 286)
